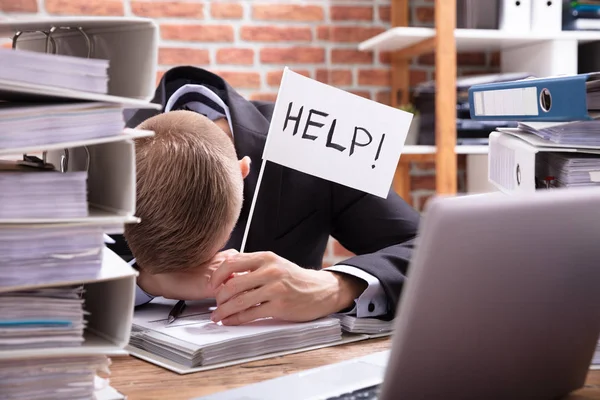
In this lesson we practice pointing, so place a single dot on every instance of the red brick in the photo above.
(276, 34)
(24, 6)
(374, 77)
(264, 97)
(165, 9)
(239, 79)
(417, 76)
(182, 55)
(385, 13)
(351, 56)
(385, 57)
(347, 34)
(335, 77)
(287, 12)
(351, 13)
(425, 14)
(475, 72)
(422, 182)
(274, 77)
(341, 251)
(159, 75)
(226, 10)
(197, 33)
(461, 161)
(85, 7)
(299, 55)
(235, 56)
(361, 93)
(495, 59)
(383, 97)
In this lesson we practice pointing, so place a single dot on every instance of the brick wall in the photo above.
(248, 42)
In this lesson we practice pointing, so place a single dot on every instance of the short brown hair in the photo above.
(189, 192)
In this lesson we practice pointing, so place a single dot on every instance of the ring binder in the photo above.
(50, 39)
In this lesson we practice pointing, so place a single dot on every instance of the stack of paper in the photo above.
(577, 133)
(353, 324)
(194, 340)
(33, 254)
(42, 318)
(30, 192)
(568, 169)
(68, 72)
(68, 377)
(23, 125)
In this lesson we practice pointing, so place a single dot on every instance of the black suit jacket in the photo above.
(295, 212)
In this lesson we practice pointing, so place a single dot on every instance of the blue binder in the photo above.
(559, 98)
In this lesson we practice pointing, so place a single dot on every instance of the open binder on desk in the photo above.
(513, 157)
(109, 299)
(130, 45)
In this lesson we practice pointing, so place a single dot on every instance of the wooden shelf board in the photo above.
(460, 149)
(399, 38)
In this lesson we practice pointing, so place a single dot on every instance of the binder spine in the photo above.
(531, 100)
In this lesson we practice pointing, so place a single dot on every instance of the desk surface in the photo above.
(140, 380)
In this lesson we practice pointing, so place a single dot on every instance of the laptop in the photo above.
(502, 301)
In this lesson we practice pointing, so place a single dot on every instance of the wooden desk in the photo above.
(140, 380)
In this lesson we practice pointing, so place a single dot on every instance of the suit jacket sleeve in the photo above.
(381, 232)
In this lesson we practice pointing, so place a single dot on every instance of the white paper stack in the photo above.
(353, 324)
(194, 340)
(30, 192)
(25, 124)
(68, 72)
(42, 318)
(34, 254)
(51, 377)
(577, 133)
(568, 169)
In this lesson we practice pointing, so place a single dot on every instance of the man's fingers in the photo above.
(238, 284)
(238, 304)
(239, 263)
(262, 310)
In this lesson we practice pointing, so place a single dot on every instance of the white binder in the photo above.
(110, 299)
(515, 15)
(129, 43)
(546, 16)
(512, 159)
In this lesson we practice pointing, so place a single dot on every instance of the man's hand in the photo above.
(187, 285)
(250, 286)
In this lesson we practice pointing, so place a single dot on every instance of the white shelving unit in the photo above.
(540, 54)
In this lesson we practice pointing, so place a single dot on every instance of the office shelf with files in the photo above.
(74, 296)
(537, 52)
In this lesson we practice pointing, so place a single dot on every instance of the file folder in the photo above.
(512, 159)
(515, 15)
(559, 98)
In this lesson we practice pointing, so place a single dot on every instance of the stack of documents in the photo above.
(24, 125)
(353, 324)
(32, 192)
(34, 254)
(68, 377)
(568, 169)
(57, 70)
(42, 318)
(577, 133)
(194, 340)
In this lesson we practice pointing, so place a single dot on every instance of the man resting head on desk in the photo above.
(195, 181)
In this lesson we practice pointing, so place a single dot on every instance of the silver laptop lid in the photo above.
(502, 299)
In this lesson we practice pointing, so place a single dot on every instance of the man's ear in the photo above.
(245, 166)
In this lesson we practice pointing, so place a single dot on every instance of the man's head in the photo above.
(189, 192)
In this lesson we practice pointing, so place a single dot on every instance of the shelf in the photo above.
(400, 38)
(461, 149)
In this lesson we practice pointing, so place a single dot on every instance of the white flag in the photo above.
(335, 135)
